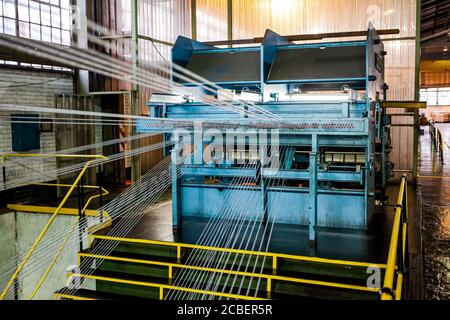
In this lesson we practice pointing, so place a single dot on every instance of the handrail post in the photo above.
(436, 138)
(396, 247)
(80, 214)
(4, 181)
(100, 184)
(400, 257)
(4, 174)
(100, 189)
(405, 218)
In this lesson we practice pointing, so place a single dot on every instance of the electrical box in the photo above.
(25, 132)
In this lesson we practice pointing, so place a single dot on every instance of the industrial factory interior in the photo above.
(235, 152)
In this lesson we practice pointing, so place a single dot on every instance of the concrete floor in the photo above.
(435, 184)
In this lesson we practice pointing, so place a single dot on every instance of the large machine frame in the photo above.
(336, 161)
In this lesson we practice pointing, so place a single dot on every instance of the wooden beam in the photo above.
(305, 37)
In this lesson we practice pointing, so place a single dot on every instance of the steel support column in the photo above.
(135, 110)
(194, 19)
(264, 194)
(176, 192)
(417, 90)
(80, 40)
(313, 190)
(230, 22)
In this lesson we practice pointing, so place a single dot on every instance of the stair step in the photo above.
(145, 249)
(306, 269)
(85, 294)
(148, 287)
(147, 265)
(146, 271)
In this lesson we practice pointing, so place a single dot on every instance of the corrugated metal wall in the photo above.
(212, 20)
(163, 20)
(166, 19)
(251, 18)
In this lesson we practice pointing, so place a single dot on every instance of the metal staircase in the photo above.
(146, 269)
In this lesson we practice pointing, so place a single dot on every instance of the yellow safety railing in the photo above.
(270, 278)
(437, 138)
(274, 256)
(72, 187)
(398, 256)
(93, 229)
(163, 287)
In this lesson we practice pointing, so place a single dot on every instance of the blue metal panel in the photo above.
(183, 49)
(355, 177)
(349, 176)
(208, 201)
(271, 42)
(219, 172)
(285, 206)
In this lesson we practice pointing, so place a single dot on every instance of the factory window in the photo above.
(435, 96)
(43, 20)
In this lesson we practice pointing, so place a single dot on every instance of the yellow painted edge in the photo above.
(61, 185)
(41, 155)
(398, 290)
(240, 273)
(404, 104)
(50, 210)
(68, 296)
(268, 254)
(163, 286)
(434, 177)
(392, 255)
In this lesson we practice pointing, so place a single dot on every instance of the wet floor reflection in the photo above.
(435, 181)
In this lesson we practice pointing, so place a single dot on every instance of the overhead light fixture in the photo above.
(445, 49)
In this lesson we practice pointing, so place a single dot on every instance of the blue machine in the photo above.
(334, 132)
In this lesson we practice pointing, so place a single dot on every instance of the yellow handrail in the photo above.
(269, 277)
(58, 209)
(163, 287)
(437, 139)
(388, 292)
(42, 155)
(61, 248)
(274, 256)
